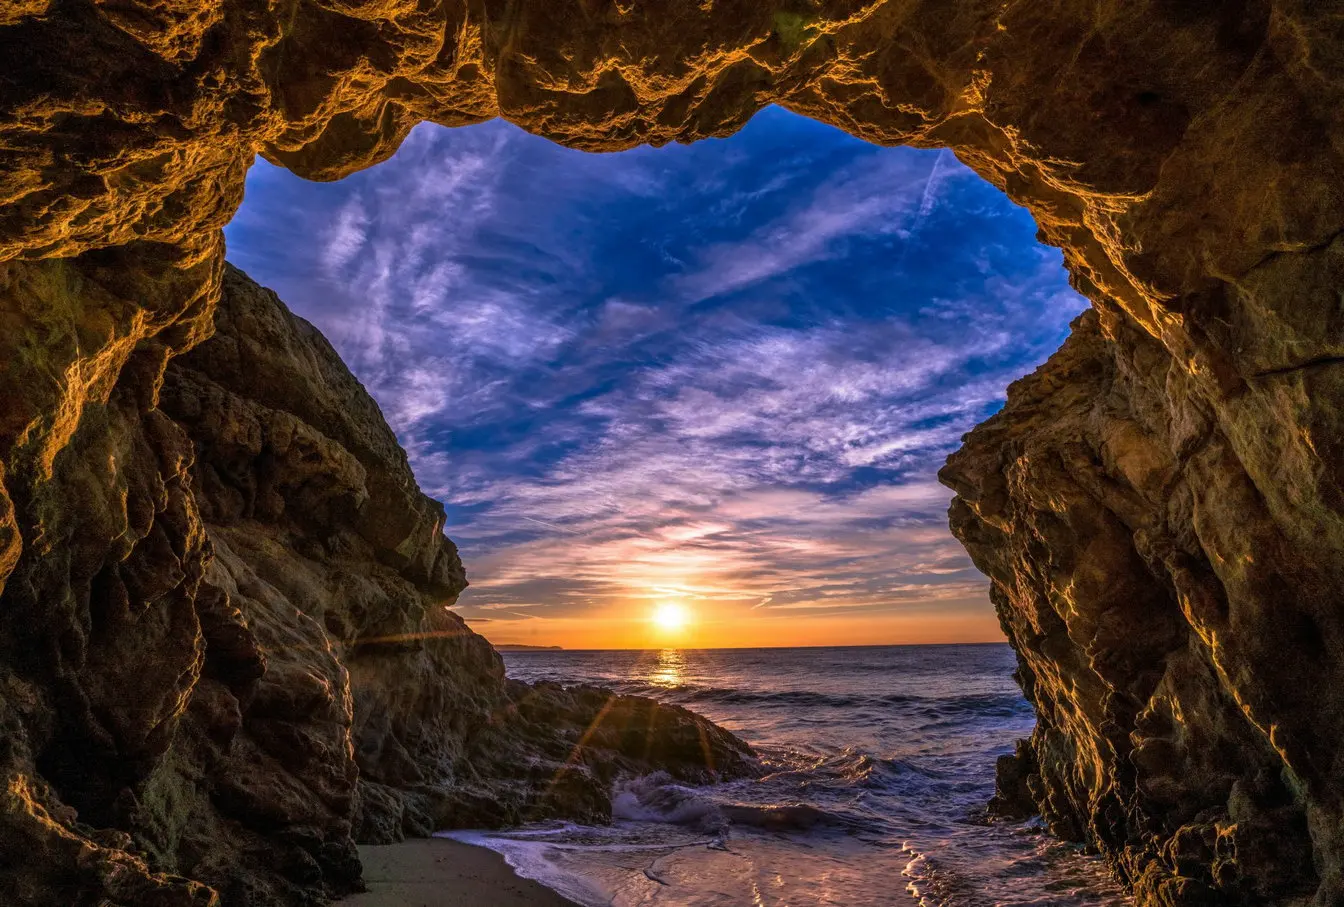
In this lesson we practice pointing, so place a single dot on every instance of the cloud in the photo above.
(346, 238)
(727, 372)
(872, 198)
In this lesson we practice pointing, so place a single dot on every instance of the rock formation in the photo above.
(1174, 635)
(1159, 507)
(239, 659)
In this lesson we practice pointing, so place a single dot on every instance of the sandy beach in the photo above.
(436, 872)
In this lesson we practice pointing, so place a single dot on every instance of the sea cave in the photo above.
(225, 656)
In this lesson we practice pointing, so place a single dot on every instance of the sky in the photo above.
(710, 382)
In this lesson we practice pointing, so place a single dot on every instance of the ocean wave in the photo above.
(874, 784)
(990, 704)
(656, 798)
(782, 817)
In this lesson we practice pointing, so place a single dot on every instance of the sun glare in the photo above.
(671, 617)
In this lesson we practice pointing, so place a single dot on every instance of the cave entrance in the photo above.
(696, 397)
(1186, 158)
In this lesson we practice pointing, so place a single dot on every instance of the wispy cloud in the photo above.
(873, 197)
(726, 372)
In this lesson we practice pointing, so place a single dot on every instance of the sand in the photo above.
(441, 873)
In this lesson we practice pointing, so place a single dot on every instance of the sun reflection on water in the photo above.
(668, 669)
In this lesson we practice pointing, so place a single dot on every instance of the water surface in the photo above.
(880, 762)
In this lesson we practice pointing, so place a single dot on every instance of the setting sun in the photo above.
(671, 617)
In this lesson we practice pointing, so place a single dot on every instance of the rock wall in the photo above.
(233, 657)
(1180, 650)
(1159, 508)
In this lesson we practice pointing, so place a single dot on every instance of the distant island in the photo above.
(516, 647)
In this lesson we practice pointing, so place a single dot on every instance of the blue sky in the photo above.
(724, 373)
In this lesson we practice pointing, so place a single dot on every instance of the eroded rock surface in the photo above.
(239, 659)
(1176, 624)
(1159, 508)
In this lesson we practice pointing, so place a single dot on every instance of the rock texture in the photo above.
(235, 658)
(1159, 508)
(1178, 636)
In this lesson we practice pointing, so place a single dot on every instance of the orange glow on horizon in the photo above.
(648, 593)
(749, 629)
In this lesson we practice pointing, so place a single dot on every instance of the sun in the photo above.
(671, 617)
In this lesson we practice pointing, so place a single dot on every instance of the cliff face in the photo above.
(1169, 577)
(1159, 508)
(235, 658)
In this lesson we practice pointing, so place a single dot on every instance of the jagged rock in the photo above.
(1160, 616)
(1159, 507)
(1013, 797)
(246, 659)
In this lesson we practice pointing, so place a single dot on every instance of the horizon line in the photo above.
(880, 645)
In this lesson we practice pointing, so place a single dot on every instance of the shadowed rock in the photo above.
(266, 670)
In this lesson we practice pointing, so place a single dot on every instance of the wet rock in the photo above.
(1013, 797)
(605, 736)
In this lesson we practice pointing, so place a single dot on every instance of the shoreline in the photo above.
(440, 872)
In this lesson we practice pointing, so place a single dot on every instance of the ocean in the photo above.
(881, 760)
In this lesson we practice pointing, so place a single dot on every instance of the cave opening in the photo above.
(722, 374)
(692, 399)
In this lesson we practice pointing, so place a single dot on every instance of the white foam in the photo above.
(656, 798)
(534, 859)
